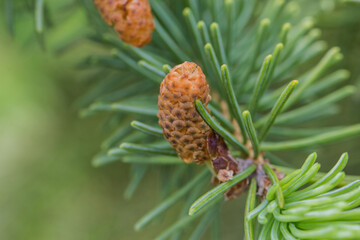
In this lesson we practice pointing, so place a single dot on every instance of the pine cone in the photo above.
(182, 126)
(132, 19)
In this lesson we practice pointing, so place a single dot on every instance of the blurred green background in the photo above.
(48, 188)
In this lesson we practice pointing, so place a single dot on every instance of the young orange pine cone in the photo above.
(132, 19)
(192, 138)
(182, 126)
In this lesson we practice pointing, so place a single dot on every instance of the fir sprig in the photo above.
(239, 69)
(314, 212)
(245, 56)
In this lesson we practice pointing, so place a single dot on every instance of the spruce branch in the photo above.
(245, 57)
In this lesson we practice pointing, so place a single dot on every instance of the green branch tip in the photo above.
(186, 11)
(200, 24)
(279, 46)
(322, 177)
(214, 26)
(145, 128)
(224, 67)
(286, 26)
(166, 68)
(250, 129)
(284, 33)
(117, 152)
(265, 22)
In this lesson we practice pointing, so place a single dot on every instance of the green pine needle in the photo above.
(219, 190)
